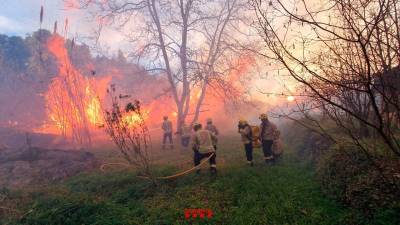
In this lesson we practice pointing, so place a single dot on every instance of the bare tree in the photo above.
(192, 42)
(346, 61)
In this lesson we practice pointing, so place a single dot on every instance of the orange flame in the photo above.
(72, 100)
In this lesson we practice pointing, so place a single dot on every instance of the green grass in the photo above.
(240, 195)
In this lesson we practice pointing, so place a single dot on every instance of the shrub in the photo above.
(308, 145)
(353, 178)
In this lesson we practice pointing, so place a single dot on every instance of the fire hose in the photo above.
(102, 168)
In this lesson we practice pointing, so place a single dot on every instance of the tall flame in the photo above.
(72, 100)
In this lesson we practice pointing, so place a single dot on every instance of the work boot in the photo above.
(268, 159)
(250, 163)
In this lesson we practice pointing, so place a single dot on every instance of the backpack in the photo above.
(255, 136)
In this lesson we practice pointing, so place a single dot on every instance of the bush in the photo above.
(309, 145)
(352, 177)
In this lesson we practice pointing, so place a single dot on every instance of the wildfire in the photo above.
(72, 100)
(133, 118)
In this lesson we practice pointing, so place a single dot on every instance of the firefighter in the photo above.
(167, 128)
(203, 147)
(268, 135)
(247, 138)
(213, 129)
(185, 136)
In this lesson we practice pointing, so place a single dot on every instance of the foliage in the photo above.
(128, 131)
(351, 177)
(282, 194)
(347, 68)
(348, 174)
(309, 145)
(14, 53)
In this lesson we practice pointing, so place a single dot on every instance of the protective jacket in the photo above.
(246, 134)
(203, 141)
(167, 126)
(269, 131)
(212, 128)
(214, 131)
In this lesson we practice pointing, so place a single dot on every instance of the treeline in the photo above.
(27, 68)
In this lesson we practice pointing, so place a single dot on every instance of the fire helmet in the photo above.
(243, 121)
(263, 116)
(196, 126)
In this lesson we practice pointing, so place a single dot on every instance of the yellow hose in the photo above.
(160, 178)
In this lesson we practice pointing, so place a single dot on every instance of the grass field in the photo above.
(286, 193)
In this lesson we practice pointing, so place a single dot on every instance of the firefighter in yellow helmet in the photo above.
(213, 129)
(247, 138)
(203, 147)
(268, 135)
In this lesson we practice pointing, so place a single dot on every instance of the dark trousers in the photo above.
(199, 156)
(167, 136)
(249, 151)
(267, 149)
(185, 141)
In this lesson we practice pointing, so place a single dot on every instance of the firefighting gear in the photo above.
(203, 141)
(243, 122)
(246, 133)
(214, 131)
(269, 131)
(203, 146)
(263, 116)
(267, 150)
(167, 128)
(256, 136)
(199, 156)
(249, 153)
(196, 126)
(167, 137)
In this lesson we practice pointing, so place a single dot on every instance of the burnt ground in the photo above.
(33, 166)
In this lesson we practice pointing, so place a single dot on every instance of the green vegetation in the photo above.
(285, 193)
